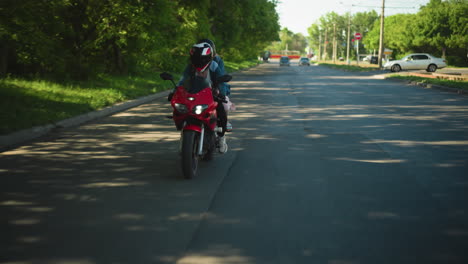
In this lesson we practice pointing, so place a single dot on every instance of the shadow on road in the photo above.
(325, 166)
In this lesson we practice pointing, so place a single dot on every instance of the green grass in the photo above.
(27, 103)
(353, 68)
(233, 66)
(442, 82)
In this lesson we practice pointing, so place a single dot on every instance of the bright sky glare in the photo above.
(298, 15)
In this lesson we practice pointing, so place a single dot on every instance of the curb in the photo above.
(10, 140)
(440, 87)
(431, 86)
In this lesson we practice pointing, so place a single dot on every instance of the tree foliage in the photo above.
(333, 29)
(243, 28)
(288, 40)
(440, 28)
(80, 38)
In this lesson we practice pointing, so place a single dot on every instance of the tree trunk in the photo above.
(3, 58)
(119, 64)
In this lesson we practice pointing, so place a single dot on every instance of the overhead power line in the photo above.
(400, 7)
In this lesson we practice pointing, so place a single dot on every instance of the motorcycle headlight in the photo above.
(181, 108)
(198, 109)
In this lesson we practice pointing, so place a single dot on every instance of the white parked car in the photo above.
(416, 61)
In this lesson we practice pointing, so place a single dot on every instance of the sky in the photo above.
(298, 15)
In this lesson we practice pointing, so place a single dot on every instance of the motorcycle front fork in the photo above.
(200, 142)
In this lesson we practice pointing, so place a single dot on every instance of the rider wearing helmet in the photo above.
(203, 65)
(220, 63)
(201, 56)
(224, 87)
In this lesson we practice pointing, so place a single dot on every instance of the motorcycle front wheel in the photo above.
(190, 141)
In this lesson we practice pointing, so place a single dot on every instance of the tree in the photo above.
(298, 42)
(365, 22)
(438, 27)
(398, 34)
(243, 28)
(333, 29)
(442, 25)
(289, 40)
(80, 38)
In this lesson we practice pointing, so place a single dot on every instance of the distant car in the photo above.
(416, 61)
(304, 61)
(284, 61)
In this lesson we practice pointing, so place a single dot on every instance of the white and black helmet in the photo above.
(201, 56)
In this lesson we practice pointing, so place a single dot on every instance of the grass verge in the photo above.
(27, 103)
(233, 66)
(353, 68)
(441, 82)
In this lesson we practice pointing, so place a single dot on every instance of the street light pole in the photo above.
(381, 41)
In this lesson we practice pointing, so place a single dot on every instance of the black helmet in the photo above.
(201, 55)
(209, 42)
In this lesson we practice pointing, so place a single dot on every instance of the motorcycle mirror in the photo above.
(224, 78)
(166, 76)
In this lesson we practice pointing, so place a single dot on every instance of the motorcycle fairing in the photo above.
(203, 97)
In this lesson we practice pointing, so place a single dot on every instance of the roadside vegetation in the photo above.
(61, 58)
(438, 28)
(351, 68)
(25, 103)
(233, 66)
(369, 68)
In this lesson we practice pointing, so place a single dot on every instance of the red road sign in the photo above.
(358, 36)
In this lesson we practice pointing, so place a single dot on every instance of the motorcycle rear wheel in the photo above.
(190, 141)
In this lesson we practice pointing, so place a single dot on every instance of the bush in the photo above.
(457, 61)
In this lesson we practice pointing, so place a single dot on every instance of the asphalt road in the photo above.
(324, 167)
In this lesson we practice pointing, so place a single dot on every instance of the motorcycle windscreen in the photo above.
(196, 84)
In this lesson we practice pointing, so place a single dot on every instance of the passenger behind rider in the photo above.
(203, 65)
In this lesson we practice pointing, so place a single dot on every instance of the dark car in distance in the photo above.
(304, 61)
(284, 61)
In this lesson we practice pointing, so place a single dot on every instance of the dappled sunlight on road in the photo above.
(382, 215)
(113, 184)
(408, 143)
(379, 161)
(114, 180)
(117, 181)
(218, 254)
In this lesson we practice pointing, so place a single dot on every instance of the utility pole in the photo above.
(381, 41)
(357, 51)
(334, 42)
(349, 35)
(320, 46)
(325, 44)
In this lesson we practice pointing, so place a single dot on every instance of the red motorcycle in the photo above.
(195, 114)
